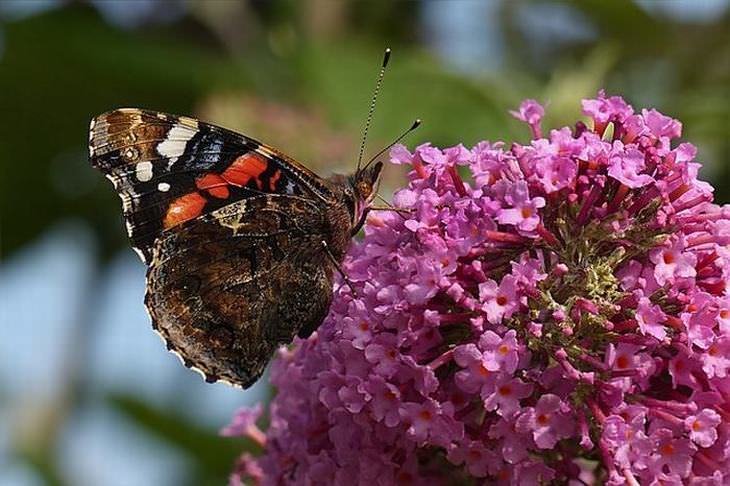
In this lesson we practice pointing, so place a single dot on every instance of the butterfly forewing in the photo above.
(170, 169)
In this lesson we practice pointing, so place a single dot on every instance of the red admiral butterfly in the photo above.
(241, 241)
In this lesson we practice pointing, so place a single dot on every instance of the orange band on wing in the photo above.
(244, 168)
(214, 184)
(184, 209)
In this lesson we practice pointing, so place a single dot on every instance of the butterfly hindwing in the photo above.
(227, 288)
(170, 169)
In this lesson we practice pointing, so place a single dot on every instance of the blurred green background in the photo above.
(88, 394)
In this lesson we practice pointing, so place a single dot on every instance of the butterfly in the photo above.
(241, 241)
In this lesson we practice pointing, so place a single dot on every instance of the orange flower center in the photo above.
(483, 371)
(505, 390)
(666, 450)
(668, 258)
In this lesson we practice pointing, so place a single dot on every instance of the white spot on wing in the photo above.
(290, 187)
(163, 187)
(174, 144)
(91, 129)
(91, 136)
(144, 171)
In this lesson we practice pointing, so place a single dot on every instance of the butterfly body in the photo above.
(241, 241)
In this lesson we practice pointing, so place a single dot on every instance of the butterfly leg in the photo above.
(391, 208)
(338, 267)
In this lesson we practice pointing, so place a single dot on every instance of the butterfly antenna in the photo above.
(403, 135)
(386, 58)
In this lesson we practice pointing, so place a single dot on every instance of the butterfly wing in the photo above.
(232, 231)
(227, 288)
(170, 169)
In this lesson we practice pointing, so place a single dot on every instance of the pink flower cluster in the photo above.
(562, 314)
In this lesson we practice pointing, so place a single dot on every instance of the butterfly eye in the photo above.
(365, 189)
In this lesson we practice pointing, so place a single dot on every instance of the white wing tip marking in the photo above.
(177, 138)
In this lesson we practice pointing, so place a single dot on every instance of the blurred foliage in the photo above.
(209, 456)
(299, 75)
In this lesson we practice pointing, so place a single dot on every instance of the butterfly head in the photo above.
(362, 188)
(365, 183)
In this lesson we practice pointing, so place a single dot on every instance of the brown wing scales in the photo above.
(226, 289)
